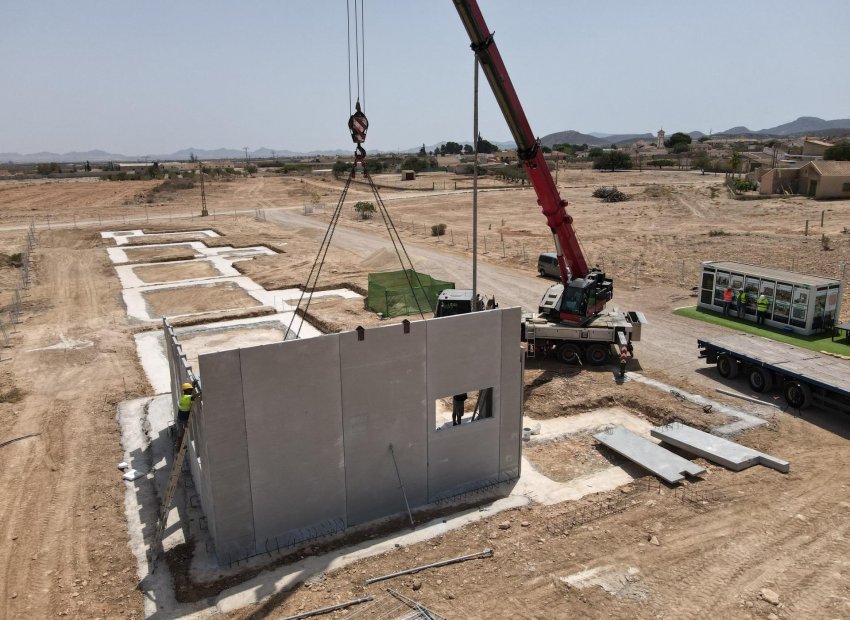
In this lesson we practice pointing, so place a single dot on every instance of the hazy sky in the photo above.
(153, 77)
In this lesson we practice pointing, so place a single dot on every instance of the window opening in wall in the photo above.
(464, 408)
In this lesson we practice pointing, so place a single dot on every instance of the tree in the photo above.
(416, 164)
(838, 152)
(340, 168)
(702, 162)
(677, 138)
(486, 147)
(365, 209)
(735, 161)
(613, 160)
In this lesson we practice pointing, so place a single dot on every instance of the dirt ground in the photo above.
(201, 298)
(152, 274)
(63, 548)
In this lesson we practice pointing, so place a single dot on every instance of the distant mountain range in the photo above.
(805, 125)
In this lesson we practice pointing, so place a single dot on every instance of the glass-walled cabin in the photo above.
(799, 302)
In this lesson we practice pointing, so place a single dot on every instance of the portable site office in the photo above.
(801, 303)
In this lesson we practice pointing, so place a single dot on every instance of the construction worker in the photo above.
(742, 302)
(727, 301)
(457, 408)
(763, 303)
(184, 407)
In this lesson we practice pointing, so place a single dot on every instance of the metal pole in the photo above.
(475, 188)
(401, 484)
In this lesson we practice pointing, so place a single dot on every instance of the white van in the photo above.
(547, 265)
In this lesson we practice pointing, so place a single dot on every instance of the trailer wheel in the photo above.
(727, 366)
(797, 394)
(760, 379)
(596, 354)
(568, 353)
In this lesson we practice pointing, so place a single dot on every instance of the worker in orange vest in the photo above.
(727, 301)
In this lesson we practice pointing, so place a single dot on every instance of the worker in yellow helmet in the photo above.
(184, 408)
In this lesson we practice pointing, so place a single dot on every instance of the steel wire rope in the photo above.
(390, 229)
(348, 48)
(319, 261)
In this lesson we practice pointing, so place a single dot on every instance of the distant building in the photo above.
(135, 167)
(817, 179)
(816, 148)
(825, 179)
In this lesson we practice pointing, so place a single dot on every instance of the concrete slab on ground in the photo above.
(648, 455)
(716, 449)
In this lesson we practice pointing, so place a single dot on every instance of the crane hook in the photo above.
(357, 125)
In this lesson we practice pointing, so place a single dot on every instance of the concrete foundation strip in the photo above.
(487, 553)
(327, 610)
(716, 449)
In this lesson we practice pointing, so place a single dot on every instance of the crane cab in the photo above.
(578, 302)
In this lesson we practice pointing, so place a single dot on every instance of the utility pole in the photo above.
(204, 212)
(475, 189)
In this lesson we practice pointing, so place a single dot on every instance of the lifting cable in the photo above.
(357, 124)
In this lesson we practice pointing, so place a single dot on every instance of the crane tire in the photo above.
(568, 353)
(797, 394)
(761, 379)
(596, 354)
(727, 366)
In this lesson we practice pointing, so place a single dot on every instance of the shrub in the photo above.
(365, 209)
(609, 194)
(744, 185)
(438, 230)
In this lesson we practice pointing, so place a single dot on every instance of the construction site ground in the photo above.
(723, 551)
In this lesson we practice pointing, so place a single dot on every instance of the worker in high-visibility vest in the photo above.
(762, 305)
(742, 303)
(184, 408)
(727, 301)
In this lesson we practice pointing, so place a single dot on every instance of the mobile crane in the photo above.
(571, 322)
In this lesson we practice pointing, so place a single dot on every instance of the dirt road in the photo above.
(63, 547)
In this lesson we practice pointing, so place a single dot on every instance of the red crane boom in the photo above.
(585, 289)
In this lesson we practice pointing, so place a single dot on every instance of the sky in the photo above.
(154, 77)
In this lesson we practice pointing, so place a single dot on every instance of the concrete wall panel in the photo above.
(294, 425)
(383, 395)
(226, 450)
(510, 429)
(463, 355)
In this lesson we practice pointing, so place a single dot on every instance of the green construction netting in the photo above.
(390, 293)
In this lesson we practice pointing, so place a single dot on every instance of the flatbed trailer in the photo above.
(805, 377)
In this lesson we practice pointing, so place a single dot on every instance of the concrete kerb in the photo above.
(744, 421)
(122, 237)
